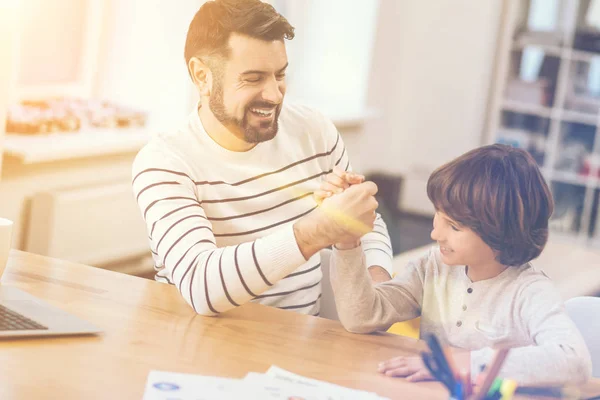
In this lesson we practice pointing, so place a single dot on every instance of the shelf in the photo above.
(554, 89)
(345, 119)
(526, 108)
(550, 50)
(573, 179)
(503, 132)
(546, 112)
(342, 116)
(556, 51)
(581, 55)
(31, 149)
(579, 117)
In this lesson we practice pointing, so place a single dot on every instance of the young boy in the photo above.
(476, 290)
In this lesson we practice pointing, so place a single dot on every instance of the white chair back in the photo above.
(585, 312)
(328, 309)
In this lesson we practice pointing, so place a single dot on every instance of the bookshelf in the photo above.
(546, 99)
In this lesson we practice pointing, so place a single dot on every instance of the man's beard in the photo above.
(266, 131)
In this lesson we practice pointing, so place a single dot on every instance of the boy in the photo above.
(477, 290)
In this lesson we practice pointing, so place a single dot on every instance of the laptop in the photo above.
(23, 315)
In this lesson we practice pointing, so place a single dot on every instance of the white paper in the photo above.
(277, 389)
(276, 384)
(326, 387)
(175, 386)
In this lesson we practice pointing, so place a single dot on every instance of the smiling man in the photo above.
(227, 197)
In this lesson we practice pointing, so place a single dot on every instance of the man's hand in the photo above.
(342, 218)
(336, 182)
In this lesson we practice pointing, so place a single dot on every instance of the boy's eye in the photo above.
(280, 77)
(454, 228)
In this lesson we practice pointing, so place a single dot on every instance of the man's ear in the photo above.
(201, 75)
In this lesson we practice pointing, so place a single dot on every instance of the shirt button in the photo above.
(470, 290)
(464, 308)
(459, 324)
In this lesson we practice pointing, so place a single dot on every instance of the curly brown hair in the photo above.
(498, 192)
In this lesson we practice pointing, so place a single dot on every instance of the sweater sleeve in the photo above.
(558, 354)
(210, 279)
(376, 244)
(363, 307)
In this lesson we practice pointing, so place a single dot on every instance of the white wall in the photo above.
(143, 64)
(430, 78)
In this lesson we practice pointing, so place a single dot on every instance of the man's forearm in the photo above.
(308, 238)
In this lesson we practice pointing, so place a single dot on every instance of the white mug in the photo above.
(5, 242)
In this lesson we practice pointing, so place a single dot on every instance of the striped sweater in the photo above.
(220, 223)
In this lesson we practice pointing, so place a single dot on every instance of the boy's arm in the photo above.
(376, 244)
(364, 308)
(559, 355)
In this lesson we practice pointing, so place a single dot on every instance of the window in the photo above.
(58, 47)
(330, 57)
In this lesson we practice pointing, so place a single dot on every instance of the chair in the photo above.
(584, 311)
(328, 309)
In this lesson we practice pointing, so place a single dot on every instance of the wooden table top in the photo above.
(147, 326)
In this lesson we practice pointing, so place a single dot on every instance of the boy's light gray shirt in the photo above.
(520, 308)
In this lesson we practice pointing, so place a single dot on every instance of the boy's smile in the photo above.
(444, 250)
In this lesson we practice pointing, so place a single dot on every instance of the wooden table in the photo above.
(148, 326)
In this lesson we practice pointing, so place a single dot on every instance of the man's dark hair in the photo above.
(215, 21)
(498, 192)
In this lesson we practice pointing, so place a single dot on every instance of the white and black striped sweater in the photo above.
(220, 222)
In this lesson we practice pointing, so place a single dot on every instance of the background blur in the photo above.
(409, 84)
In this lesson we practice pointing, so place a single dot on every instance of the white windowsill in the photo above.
(352, 119)
(39, 148)
(31, 149)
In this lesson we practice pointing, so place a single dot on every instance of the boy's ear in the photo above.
(201, 75)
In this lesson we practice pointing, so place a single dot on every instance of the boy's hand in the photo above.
(415, 370)
(410, 367)
(336, 182)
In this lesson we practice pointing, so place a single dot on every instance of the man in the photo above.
(227, 198)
